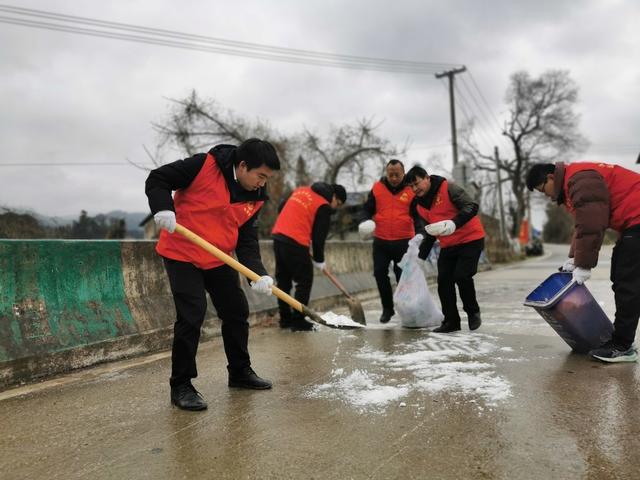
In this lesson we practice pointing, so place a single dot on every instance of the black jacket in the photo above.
(467, 208)
(321, 222)
(178, 175)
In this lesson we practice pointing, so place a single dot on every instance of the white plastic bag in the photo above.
(412, 300)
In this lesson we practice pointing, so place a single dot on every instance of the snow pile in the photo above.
(340, 320)
(360, 389)
(458, 364)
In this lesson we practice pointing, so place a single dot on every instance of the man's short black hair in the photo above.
(394, 161)
(415, 173)
(255, 153)
(537, 174)
(340, 192)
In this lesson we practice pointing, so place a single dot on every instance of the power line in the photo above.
(154, 36)
(482, 117)
(468, 114)
(72, 164)
(484, 100)
(205, 39)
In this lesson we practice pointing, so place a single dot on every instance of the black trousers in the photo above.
(189, 286)
(625, 275)
(293, 264)
(385, 252)
(456, 266)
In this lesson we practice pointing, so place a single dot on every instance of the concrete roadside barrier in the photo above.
(66, 304)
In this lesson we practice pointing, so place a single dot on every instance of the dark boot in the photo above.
(186, 397)
(284, 322)
(247, 378)
(300, 325)
(474, 321)
(387, 313)
(447, 327)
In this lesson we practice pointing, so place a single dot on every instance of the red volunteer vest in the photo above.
(443, 209)
(204, 207)
(296, 218)
(392, 217)
(624, 192)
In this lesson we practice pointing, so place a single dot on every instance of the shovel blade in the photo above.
(356, 311)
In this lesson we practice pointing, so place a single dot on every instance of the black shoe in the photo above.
(474, 321)
(447, 327)
(186, 397)
(611, 353)
(300, 325)
(284, 322)
(387, 313)
(247, 378)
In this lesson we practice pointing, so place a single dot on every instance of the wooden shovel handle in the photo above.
(336, 282)
(237, 266)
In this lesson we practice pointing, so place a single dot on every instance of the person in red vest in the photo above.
(303, 222)
(451, 217)
(218, 196)
(601, 196)
(388, 211)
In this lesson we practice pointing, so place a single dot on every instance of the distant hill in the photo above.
(132, 219)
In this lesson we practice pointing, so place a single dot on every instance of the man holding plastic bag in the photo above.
(451, 217)
(412, 299)
(391, 226)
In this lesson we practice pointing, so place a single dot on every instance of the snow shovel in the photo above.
(355, 307)
(251, 275)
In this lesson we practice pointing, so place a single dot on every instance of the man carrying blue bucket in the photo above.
(601, 196)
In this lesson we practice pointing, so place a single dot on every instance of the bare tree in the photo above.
(542, 127)
(349, 150)
(194, 125)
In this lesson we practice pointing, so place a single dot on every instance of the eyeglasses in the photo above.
(541, 189)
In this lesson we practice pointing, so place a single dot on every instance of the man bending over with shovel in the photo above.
(303, 222)
(217, 195)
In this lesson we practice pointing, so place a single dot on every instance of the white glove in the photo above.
(568, 266)
(443, 228)
(581, 275)
(165, 219)
(263, 285)
(366, 229)
(320, 265)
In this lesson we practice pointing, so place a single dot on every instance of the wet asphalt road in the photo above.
(509, 401)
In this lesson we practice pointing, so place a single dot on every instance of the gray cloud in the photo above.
(74, 98)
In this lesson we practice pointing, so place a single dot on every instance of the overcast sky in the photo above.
(74, 98)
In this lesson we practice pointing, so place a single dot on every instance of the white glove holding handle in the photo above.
(166, 219)
(263, 285)
(581, 275)
(568, 266)
(443, 228)
(320, 265)
(366, 229)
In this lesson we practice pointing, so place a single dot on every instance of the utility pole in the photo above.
(503, 227)
(454, 139)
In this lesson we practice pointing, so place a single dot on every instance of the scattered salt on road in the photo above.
(458, 364)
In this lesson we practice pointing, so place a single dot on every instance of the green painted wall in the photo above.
(56, 295)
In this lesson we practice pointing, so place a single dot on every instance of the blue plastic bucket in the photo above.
(571, 311)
